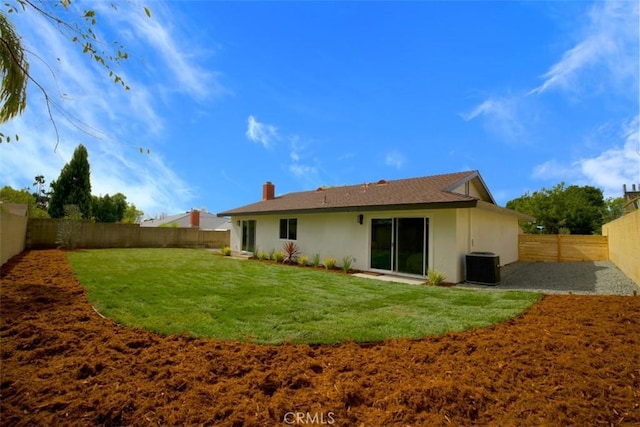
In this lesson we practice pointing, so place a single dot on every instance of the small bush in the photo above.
(271, 254)
(69, 227)
(278, 256)
(330, 263)
(303, 260)
(435, 278)
(262, 255)
(346, 263)
(316, 260)
(226, 251)
(291, 252)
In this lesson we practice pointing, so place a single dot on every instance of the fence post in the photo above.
(559, 243)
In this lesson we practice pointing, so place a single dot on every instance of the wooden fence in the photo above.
(12, 231)
(624, 244)
(562, 248)
(43, 233)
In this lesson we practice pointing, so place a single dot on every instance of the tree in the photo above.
(132, 215)
(10, 195)
(109, 208)
(41, 196)
(613, 209)
(14, 66)
(579, 210)
(14, 69)
(585, 209)
(73, 186)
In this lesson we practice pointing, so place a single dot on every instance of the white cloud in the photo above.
(260, 132)
(178, 57)
(609, 170)
(617, 165)
(501, 116)
(91, 110)
(302, 170)
(395, 159)
(298, 155)
(610, 41)
(555, 171)
(603, 57)
(296, 148)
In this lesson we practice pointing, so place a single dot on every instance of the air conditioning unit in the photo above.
(483, 268)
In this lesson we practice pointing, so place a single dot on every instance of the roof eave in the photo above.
(521, 216)
(473, 175)
(372, 208)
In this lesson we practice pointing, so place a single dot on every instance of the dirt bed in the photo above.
(569, 360)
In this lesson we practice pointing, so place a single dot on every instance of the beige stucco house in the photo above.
(403, 227)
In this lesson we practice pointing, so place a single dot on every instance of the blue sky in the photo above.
(228, 95)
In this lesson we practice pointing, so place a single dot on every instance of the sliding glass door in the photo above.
(400, 245)
(410, 245)
(381, 243)
(249, 235)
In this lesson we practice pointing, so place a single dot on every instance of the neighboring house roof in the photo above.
(437, 191)
(208, 221)
(19, 209)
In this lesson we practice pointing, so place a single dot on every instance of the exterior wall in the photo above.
(331, 235)
(13, 230)
(444, 242)
(452, 234)
(441, 240)
(339, 234)
(480, 230)
(624, 244)
(463, 243)
(495, 232)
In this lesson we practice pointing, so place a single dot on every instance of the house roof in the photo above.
(208, 221)
(19, 209)
(437, 191)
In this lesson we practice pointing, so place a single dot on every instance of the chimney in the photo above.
(268, 191)
(195, 218)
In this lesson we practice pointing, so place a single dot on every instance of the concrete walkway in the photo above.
(390, 278)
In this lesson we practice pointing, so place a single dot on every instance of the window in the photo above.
(289, 228)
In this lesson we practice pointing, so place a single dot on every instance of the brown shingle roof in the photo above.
(429, 191)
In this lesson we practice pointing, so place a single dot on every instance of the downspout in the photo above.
(469, 236)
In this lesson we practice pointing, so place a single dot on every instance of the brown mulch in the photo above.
(569, 360)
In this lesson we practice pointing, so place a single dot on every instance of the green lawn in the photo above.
(193, 291)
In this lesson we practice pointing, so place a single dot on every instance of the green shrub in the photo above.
(262, 255)
(278, 256)
(303, 260)
(435, 278)
(346, 263)
(316, 260)
(330, 263)
(271, 254)
(226, 251)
